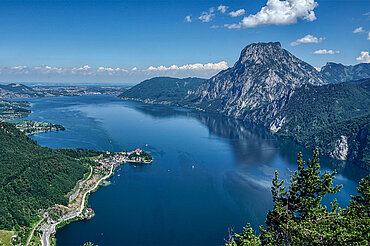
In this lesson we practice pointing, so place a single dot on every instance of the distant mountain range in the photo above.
(22, 91)
(336, 72)
(270, 86)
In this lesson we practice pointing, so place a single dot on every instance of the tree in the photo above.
(298, 218)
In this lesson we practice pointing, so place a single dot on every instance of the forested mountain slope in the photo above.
(163, 90)
(32, 177)
(334, 117)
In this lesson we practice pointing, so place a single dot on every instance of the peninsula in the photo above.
(67, 177)
(101, 168)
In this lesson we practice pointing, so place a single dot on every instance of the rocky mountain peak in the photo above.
(257, 52)
(264, 75)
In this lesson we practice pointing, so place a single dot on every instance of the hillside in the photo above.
(32, 177)
(18, 90)
(333, 117)
(164, 90)
(336, 72)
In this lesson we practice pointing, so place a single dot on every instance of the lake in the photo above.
(209, 173)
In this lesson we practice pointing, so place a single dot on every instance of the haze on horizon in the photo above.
(128, 41)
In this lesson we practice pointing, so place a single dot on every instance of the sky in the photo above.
(129, 41)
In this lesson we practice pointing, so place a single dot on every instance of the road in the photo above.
(75, 194)
(51, 227)
(33, 230)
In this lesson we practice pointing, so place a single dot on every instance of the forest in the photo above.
(317, 116)
(32, 177)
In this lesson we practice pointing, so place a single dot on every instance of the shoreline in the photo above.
(50, 226)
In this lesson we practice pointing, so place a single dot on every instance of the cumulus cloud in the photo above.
(45, 69)
(278, 12)
(237, 13)
(326, 52)
(359, 30)
(222, 8)
(188, 18)
(197, 67)
(207, 16)
(308, 39)
(364, 57)
(86, 70)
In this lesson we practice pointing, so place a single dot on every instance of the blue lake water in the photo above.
(209, 173)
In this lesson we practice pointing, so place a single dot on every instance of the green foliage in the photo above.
(247, 238)
(32, 177)
(89, 244)
(298, 218)
(317, 116)
(79, 153)
(162, 89)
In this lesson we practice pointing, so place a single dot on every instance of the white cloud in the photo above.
(364, 57)
(308, 39)
(279, 13)
(207, 16)
(368, 36)
(197, 66)
(86, 73)
(111, 71)
(188, 18)
(237, 13)
(359, 30)
(326, 52)
(222, 8)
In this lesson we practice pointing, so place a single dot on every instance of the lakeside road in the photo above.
(51, 227)
(75, 194)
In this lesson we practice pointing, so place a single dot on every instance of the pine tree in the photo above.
(298, 218)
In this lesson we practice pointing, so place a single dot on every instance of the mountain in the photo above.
(163, 90)
(261, 81)
(270, 86)
(32, 177)
(336, 72)
(18, 90)
(23, 91)
(334, 117)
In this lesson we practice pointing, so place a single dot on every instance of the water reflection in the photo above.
(252, 145)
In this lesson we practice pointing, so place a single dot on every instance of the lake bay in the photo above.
(209, 173)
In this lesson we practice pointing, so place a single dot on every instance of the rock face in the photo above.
(336, 72)
(259, 83)
(340, 149)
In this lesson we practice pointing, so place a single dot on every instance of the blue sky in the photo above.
(127, 41)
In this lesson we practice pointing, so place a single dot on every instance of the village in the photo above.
(101, 168)
(106, 160)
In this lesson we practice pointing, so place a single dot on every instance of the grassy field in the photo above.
(5, 238)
